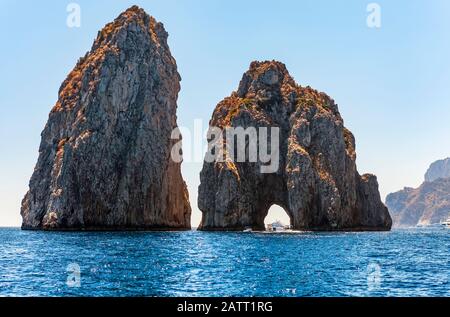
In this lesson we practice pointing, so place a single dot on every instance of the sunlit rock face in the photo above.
(104, 159)
(439, 169)
(427, 205)
(316, 181)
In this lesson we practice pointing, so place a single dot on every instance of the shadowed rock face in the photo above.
(316, 183)
(104, 159)
(429, 204)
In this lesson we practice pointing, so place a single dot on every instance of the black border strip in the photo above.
(263, 305)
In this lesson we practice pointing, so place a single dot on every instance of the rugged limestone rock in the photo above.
(429, 204)
(104, 159)
(439, 169)
(317, 182)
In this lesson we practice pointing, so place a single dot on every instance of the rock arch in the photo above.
(316, 182)
(277, 213)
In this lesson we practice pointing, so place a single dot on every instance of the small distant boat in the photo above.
(277, 226)
(446, 223)
(248, 229)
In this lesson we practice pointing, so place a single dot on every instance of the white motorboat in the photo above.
(277, 226)
(446, 223)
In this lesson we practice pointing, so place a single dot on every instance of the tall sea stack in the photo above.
(104, 159)
(317, 182)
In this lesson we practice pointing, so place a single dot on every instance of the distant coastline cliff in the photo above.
(104, 159)
(429, 204)
(317, 182)
(439, 169)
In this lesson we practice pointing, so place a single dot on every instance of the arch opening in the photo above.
(277, 218)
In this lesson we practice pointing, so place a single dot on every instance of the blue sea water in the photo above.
(412, 262)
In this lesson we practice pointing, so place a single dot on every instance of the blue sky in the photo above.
(391, 84)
